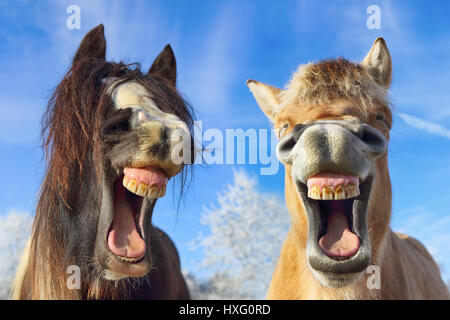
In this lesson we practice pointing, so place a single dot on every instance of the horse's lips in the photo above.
(123, 238)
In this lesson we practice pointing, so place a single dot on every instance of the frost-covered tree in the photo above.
(247, 229)
(15, 228)
(217, 287)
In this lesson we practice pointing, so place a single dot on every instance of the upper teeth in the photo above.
(144, 190)
(340, 192)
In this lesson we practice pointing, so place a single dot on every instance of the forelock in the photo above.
(332, 80)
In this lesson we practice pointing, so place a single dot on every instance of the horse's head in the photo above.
(116, 136)
(333, 121)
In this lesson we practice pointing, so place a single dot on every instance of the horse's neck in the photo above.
(293, 278)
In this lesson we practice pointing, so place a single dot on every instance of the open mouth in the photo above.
(126, 235)
(337, 238)
(335, 194)
(336, 204)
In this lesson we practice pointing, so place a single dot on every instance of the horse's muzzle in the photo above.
(332, 145)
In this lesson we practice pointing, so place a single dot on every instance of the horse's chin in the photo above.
(337, 270)
(123, 247)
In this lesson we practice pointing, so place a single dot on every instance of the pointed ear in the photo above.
(93, 45)
(165, 65)
(266, 96)
(379, 64)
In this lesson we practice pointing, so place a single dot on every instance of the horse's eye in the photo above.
(383, 121)
(122, 126)
(119, 121)
(282, 130)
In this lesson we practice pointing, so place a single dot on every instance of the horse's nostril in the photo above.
(285, 147)
(142, 116)
(287, 144)
(298, 130)
(374, 139)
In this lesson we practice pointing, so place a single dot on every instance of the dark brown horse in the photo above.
(108, 138)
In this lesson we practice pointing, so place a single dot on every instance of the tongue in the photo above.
(338, 241)
(123, 237)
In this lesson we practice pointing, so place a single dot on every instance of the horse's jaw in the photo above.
(115, 259)
(337, 271)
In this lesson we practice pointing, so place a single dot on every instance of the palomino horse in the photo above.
(108, 135)
(333, 121)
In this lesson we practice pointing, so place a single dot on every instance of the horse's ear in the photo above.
(165, 65)
(266, 96)
(379, 64)
(93, 45)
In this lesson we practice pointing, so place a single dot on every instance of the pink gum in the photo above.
(331, 180)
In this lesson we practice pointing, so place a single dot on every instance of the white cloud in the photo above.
(211, 75)
(22, 105)
(427, 126)
(129, 30)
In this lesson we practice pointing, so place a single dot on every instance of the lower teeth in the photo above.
(340, 258)
(129, 259)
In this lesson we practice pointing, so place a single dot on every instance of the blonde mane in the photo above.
(327, 81)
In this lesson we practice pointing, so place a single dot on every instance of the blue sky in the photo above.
(218, 45)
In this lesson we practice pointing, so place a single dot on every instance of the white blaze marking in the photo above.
(132, 95)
